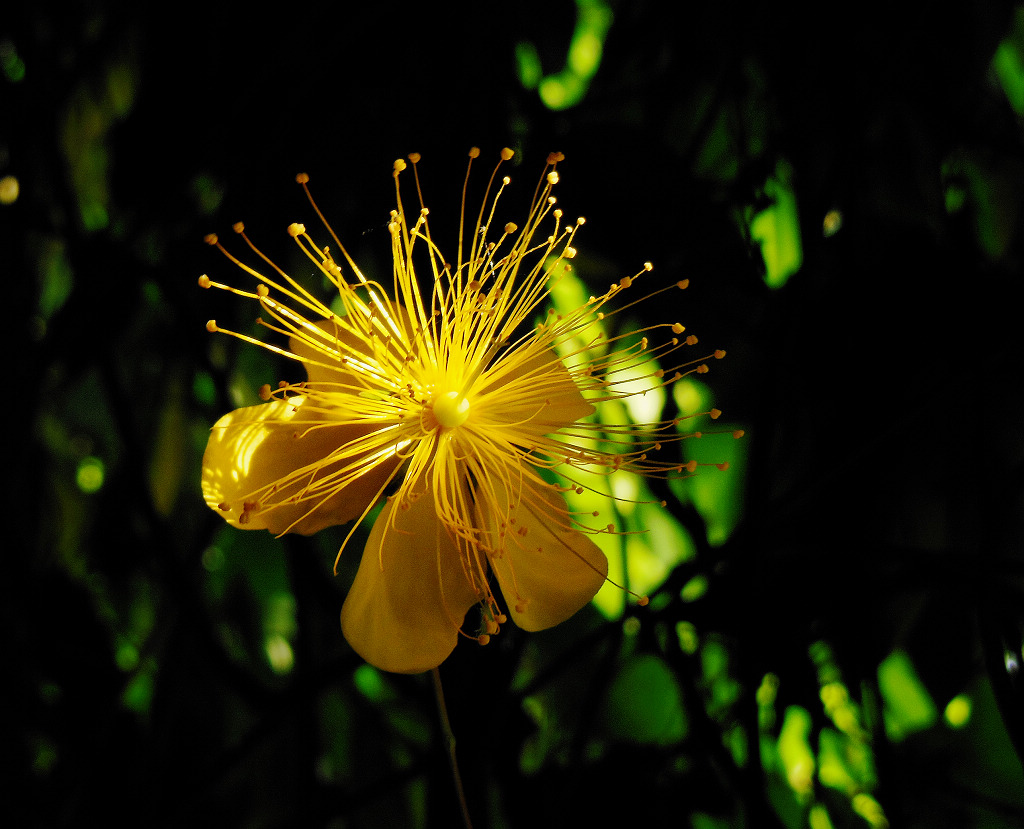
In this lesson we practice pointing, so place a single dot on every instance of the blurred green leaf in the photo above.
(170, 449)
(567, 87)
(717, 494)
(55, 275)
(908, 705)
(1008, 63)
(795, 751)
(777, 229)
(644, 703)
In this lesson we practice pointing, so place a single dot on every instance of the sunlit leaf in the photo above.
(908, 705)
(958, 711)
(795, 750)
(716, 493)
(777, 230)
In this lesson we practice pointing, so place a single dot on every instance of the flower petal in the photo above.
(321, 366)
(534, 391)
(546, 569)
(410, 593)
(268, 454)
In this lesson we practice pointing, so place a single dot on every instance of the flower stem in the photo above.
(449, 737)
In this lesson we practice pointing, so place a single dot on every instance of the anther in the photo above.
(554, 158)
(552, 177)
(715, 414)
(296, 229)
(474, 152)
(677, 328)
(262, 290)
(691, 340)
(211, 326)
(682, 284)
(506, 154)
(210, 238)
(302, 178)
(719, 354)
(483, 639)
(204, 281)
(738, 434)
(626, 282)
(238, 227)
(511, 227)
(265, 392)
(414, 158)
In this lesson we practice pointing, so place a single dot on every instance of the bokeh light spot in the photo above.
(10, 189)
(90, 475)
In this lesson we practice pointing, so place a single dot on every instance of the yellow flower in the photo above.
(454, 397)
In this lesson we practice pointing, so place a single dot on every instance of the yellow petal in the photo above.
(320, 365)
(548, 572)
(252, 449)
(410, 594)
(534, 391)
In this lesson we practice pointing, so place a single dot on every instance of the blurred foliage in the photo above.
(834, 633)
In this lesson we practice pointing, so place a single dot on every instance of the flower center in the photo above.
(451, 409)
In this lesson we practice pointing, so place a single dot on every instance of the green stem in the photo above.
(449, 737)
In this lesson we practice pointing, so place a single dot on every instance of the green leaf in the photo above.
(908, 705)
(645, 703)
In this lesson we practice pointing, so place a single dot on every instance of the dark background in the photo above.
(880, 388)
